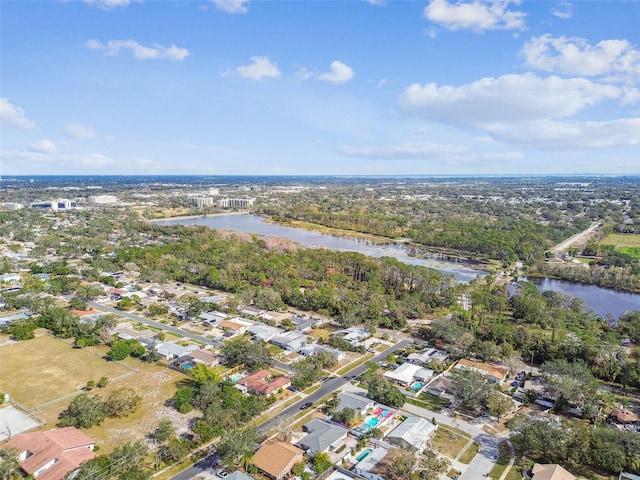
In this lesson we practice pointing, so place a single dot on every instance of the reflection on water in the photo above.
(256, 224)
(603, 301)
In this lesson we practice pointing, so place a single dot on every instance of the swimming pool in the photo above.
(363, 454)
(187, 365)
(237, 377)
(415, 386)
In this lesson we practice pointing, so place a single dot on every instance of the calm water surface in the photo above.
(256, 224)
(603, 301)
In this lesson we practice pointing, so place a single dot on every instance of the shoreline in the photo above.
(192, 217)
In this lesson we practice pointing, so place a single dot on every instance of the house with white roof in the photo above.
(264, 332)
(408, 373)
(291, 341)
(169, 350)
(366, 467)
(413, 434)
(315, 348)
(358, 403)
(426, 356)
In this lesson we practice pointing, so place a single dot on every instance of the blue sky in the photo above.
(319, 87)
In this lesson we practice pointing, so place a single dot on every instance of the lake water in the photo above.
(602, 300)
(256, 224)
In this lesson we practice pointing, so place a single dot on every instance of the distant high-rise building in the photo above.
(13, 205)
(236, 202)
(201, 201)
(102, 199)
(214, 191)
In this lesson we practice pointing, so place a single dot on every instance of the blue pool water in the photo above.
(236, 378)
(417, 386)
(364, 454)
(187, 366)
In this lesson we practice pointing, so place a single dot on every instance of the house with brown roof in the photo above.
(624, 417)
(276, 458)
(495, 373)
(262, 382)
(550, 471)
(53, 454)
(206, 357)
(232, 328)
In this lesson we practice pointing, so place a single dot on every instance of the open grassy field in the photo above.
(38, 371)
(621, 240)
(56, 370)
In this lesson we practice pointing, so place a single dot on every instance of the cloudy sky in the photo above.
(319, 87)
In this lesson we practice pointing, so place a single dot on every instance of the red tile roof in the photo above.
(261, 383)
(66, 448)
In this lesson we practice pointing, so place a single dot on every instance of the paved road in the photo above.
(327, 387)
(571, 240)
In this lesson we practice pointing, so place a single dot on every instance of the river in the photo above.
(256, 224)
(603, 301)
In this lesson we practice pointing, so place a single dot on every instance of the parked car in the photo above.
(306, 405)
(515, 384)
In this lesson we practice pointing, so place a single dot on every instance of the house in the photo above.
(426, 356)
(10, 278)
(551, 471)
(440, 386)
(12, 317)
(218, 299)
(407, 373)
(358, 403)
(213, 318)
(262, 382)
(366, 467)
(275, 317)
(276, 458)
(308, 350)
(232, 328)
(126, 333)
(251, 311)
(413, 434)
(302, 324)
(494, 373)
(52, 454)
(624, 417)
(206, 357)
(322, 436)
(87, 316)
(291, 341)
(264, 332)
(169, 350)
(354, 335)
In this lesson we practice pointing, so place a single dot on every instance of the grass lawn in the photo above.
(448, 443)
(53, 369)
(621, 240)
(470, 453)
(353, 365)
(56, 370)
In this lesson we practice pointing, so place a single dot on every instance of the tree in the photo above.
(203, 432)
(236, 444)
(120, 350)
(471, 389)
(402, 465)
(9, 464)
(103, 382)
(175, 450)
(84, 412)
(90, 385)
(499, 404)
(163, 431)
(202, 374)
(122, 402)
(298, 469)
(253, 355)
(431, 465)
(345, 416)
(182, 399)
(383, 391)
(321, 462)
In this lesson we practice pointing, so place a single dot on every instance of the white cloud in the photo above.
(303, 74)
(506, 99)
(79, 131)
(528, 110)
(448, 154)
(572, 135)
(45, 146)
(232, 6)
(140, 52)
(402, 150)
(108, 4)
(377, 3)
(340, 73)
(614, 59)
(564, 10)
(476, 15)
(14, 116)
(259, 68)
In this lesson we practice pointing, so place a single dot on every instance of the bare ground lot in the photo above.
(55, 370)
